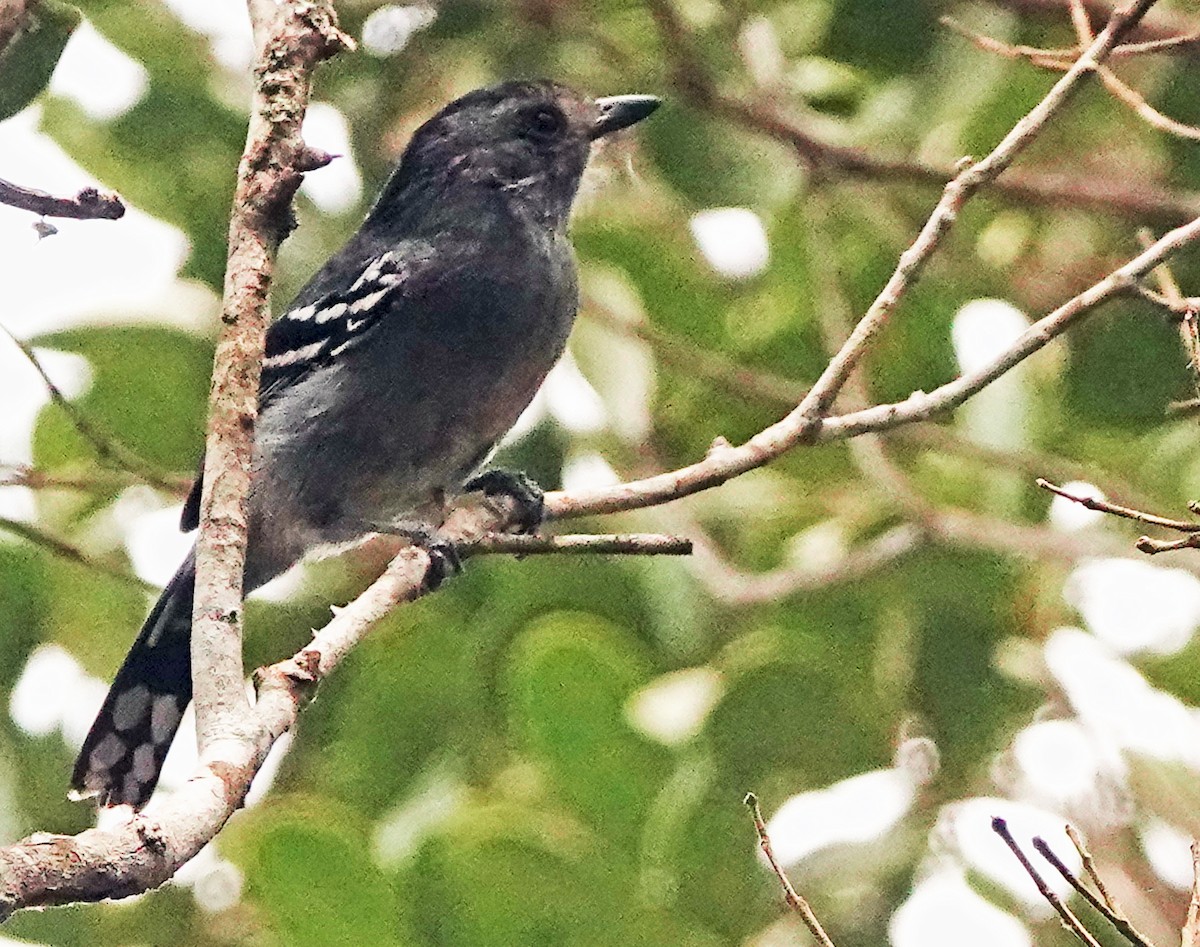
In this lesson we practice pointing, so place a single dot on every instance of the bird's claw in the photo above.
(529, 498)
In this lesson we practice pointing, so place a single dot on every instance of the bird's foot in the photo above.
(444, 560)
(529, 498)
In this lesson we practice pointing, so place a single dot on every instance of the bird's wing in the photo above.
(316, 331)
(338, 308)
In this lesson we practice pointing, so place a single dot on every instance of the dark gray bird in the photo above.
(392, 376)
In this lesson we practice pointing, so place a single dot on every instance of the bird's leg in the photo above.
(529, 498)
(444, 560)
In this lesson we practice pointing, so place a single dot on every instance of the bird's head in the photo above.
(530, 140)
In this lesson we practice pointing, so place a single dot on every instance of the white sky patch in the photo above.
(854, 811)
(1116, 703)
(91, 270)
(97, 76)
(587, 471)
(265, 778)
(673, 707)
(1136, 606)
(732, 240)
(1063, 765)
(153, 540)
(983, 329)
(182, 759)
(389, 29)
(1069, 516)
(572, 401)
(945, 911)
(226, 23)
(967, 826)
(1169, 852)
(337, 187)
(55, 693)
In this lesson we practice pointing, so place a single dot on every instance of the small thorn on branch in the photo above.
(310, 159)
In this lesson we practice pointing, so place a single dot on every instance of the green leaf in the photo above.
(149, 391)
(308, 869)
(569, 678)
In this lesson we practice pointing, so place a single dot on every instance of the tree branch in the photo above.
(235, 738)
(88, 204)
(293, 38)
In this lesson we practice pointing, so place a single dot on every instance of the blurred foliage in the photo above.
(28, 61)
(476, 773)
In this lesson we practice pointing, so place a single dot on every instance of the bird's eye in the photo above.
(544, 123)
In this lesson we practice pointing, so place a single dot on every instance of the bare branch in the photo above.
(1103, 506)
(1164, 29)
(724, 463)
(293, 37)
(1106, 195)
(797, 903)
(1111, 914)
(88, 204)
(628, 544)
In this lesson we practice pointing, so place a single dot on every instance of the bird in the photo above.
(392, 376)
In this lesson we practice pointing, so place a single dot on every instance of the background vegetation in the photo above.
(554, 751)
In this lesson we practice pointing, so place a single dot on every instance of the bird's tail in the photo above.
(123, 754)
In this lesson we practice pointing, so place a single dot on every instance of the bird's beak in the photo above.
(620, 111)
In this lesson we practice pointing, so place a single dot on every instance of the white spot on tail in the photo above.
(164, 718)
(129, 709)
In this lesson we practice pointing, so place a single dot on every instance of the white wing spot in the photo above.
(164, 718)
(366, 303)
(303, 314)
(371, 273)
(292, 356)
(328, 314)
(130, 707)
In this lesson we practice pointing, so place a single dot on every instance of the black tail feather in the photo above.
(123, 754)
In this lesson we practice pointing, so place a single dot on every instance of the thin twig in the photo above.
(627, 544)
(1089, 866)
(721, 465)
(1119, 921)
(1191, 927)
(1000, 827)
(106, 448)
(1143, 109)
(1188, 406)
(64, 550)
(1104, 506)
(794, 900)
(88, 204)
